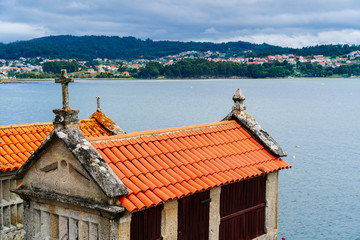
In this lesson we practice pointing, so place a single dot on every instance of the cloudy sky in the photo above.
(293, 23)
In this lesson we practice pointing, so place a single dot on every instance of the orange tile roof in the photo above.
(18, 141)
(157, 166)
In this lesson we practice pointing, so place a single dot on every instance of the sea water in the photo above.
(316, 121)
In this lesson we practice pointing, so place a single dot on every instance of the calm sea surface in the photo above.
(316, 121)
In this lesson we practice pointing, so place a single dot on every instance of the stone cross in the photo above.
(64, 80)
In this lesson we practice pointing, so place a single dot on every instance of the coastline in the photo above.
(3, 81)
(52, 79)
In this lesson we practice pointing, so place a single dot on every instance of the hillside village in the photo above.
(99, 67)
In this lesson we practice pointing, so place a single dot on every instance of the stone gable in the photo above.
(57, 170)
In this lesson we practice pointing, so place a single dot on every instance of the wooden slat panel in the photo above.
(242, 209)
(146, 224)
(193, 217)
(245, 226)
(241, 195)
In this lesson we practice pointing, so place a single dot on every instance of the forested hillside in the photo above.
(90, 47)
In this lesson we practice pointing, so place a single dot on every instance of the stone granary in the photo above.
(207, 181)
(17, 142)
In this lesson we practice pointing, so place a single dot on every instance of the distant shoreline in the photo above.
(162, 78)
(52, 79)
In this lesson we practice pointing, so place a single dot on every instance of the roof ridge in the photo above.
(37, 124)
(156, 132)
(24, 125)
(88, 119)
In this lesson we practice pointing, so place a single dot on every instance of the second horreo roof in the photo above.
(160, 165)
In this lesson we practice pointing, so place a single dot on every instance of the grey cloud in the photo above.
(213, 20)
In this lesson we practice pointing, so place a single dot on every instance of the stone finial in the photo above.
(64, 80)
(239, 99)
(66, 119)
(98, 104)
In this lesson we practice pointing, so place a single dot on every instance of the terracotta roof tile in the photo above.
(127, 204)
(168, 177)
(195, 185)
(136, 201)
(2, 151)
(189, 187)
(154, 163)
(209, 164)
(161, 194)
(140, 166)
(18, 141)
(181, 173)
(125, 170)
(202, 183)
(132, 168)
(200, 169)
(141, 150)
(171, 163)
(131, 186)
(8, 149)
(148, 149)
(187, 142)
(155, 199)
(147, 165)
(163, 149)
(173, 145)
(111, 155)
(162, 163)
(168, 192)
(208, 181)
(156, 150)
(175, 191)
(118, 154)
(133, 151)
(161, 178)
(182, 189)
(220, 178)
(139, 183)
(180, 160)
(154, 180)
(167, 146)
(126, 152)
(206, 167)
(117, 171)
(167, 161)
(149, 183)
(27, 147)
(187, 171)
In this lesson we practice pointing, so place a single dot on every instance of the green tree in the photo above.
(151, 70)
(55, 67)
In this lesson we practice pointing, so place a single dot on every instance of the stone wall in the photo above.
(124, 226)
(57, 162)
(12, 234)
(272, 202)
(58, 221)
(214, 215)
(271, 207)
(11, 209)
(268, 236)
(169, 220)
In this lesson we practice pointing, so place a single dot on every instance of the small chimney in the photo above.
(65, 118)
(239, 99)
